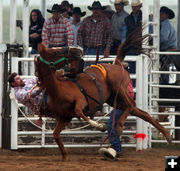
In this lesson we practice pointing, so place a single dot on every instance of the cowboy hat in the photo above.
(56, 8)
(96, 5)
(66, 4)
(108, 9)
(168, 11)
(77, 10)
(125, 2)
(135, 3)
(108, 153)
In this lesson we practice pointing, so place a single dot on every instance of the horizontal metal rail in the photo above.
(73, 146)
(83, 132)
(165, 113)
(165, 86)
(165, 100)
(165, 72)
(164, 141)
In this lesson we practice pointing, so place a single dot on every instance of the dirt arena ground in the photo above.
(85, 160)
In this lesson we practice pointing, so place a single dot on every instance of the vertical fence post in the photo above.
(1, 93)
(43, 8)
(25, 35)
(14, 110)
(6, 120)
(13, 15)
(14, 123)
(145, 18)
(145, 62)
(139, 102)
(1, 71)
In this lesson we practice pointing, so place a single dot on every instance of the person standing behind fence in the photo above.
(57, 30)
(108, 12)
(168, 42)
(95, 30)
(168, 34)
(76, 22)
(131, 23)
(68, 9)
(35, 29)
(117, 21)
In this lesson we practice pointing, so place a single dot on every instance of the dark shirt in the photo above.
(35, 28)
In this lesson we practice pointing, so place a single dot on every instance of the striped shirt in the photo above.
(58, 33)
(22, 94)
(91, 33)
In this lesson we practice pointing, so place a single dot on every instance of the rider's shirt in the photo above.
(22, 94)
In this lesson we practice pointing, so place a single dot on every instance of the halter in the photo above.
(52, 64)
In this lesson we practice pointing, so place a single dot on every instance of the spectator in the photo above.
(35, 29)
(76, 22)
(108, 12)
(117, 21)
(168, 42)
(57, 30)
(168, 34)
(68, 9)
(95, 30)
(131, 23)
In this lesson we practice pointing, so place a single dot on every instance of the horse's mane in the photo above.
(134, 41)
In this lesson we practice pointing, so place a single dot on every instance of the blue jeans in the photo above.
(34, 51)
(114, 138)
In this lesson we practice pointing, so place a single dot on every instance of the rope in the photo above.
(73, 129)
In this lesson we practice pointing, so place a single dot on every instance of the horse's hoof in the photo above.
(103, 128)
(64, 158)
(169, 139)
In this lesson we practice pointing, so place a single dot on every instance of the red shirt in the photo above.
(57, 33)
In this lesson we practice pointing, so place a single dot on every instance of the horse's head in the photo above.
(58, 57)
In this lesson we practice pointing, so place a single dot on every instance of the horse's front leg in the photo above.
(56, 134)
(79, 112)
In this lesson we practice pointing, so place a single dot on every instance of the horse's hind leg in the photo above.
(122, 120)
(59, 127)
(146, 117)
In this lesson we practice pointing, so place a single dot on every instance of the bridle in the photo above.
(53, 64)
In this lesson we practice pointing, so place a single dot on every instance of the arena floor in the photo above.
(49, 160)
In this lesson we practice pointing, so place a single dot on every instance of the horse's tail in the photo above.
(133, 42)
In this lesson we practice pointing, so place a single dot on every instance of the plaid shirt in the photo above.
(91, 33)
(22, 94)
(58, 33)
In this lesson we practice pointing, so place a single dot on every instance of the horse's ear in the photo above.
(41, 47)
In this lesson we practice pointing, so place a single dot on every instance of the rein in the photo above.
(53, 64)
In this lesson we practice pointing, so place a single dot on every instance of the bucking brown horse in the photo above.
(72, 96)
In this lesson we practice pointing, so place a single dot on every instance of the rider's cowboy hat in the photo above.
(96, 5)
(135, 3)
(108, 9)
(124, 2)
(77, 10)
(56, 8)
(168, 11)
